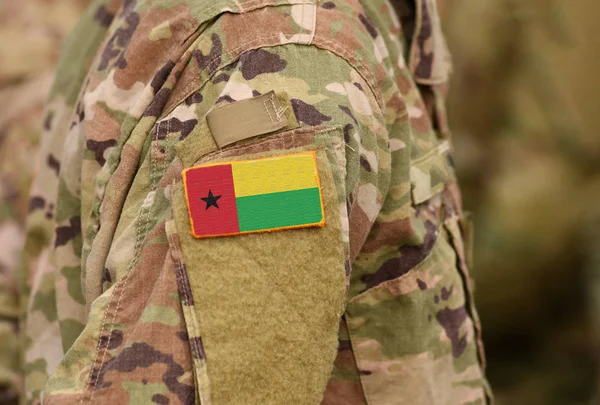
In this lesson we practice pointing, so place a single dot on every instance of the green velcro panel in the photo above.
(268, 304)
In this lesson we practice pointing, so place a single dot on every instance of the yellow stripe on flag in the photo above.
(284, 173)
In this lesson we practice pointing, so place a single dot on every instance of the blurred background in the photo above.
(524, 107)
(525, 111)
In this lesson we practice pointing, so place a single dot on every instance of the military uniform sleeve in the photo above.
(270, 296)
(241, 174)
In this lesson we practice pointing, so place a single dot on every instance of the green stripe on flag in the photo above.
(279, 210)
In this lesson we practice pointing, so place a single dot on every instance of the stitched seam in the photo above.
(99, 199)
(197, 84)
(112, 320)
(98, 203)
(242, 10)
(412, 59)
(303, 10)
(438, 151)
(457, 244)
(291, 137)
(122, 282)
(96, 355)
(268, 112)
(109, 337)
(189, 314)
(278, 112)
(178, 260)
(179, 277)
(314, 24)
(242, 7)
(249, 6)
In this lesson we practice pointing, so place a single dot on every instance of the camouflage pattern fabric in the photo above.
(30, 34)
(112, 313)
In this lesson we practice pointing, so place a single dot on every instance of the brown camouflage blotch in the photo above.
(115, 47)
(113, 341)
(452, 320)
(247, 27)
(368, 24)
(174, 125)
(351, 115)
(421, 124)
(340, 392)
(158, 103)
(410, 256)
(260, 61)
(160, 399)
(211, 60)
(195, 98)
(53, 163)
(145, 59)
(48, 121)
(364, 163)
(143, 356)
(104, 16)
(99, 147)
(446, 293)
(426, 55)
(66, 233)
(36, 203)
(307, 113)
(161, 76)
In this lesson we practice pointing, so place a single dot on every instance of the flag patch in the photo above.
(251, 196)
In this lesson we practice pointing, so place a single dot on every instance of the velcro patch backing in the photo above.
(268, 305)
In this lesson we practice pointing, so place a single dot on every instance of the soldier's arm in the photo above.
(225, 170)
(264, 303)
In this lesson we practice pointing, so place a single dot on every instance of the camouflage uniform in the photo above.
(27, 57)
(126, 306)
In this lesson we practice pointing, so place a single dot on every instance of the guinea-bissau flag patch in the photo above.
(251, 196)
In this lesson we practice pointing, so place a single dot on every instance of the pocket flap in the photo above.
(430, 173)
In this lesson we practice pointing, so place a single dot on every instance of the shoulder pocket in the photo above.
(266, 306)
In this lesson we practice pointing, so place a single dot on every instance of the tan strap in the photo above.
(247, 118)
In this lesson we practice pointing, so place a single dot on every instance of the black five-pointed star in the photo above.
(211, 200)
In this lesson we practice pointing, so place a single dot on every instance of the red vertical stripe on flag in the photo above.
(211, 200)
